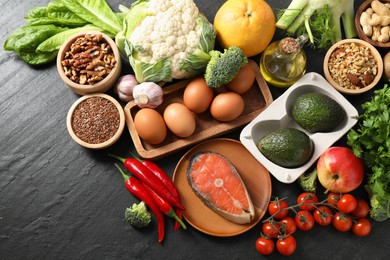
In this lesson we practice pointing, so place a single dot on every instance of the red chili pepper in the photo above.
(164, 206)
(135, 187)
(147, 176)
(167, 182)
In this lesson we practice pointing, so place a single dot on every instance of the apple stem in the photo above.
(328, 189)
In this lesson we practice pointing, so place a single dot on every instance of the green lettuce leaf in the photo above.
(34, 58)
(27, 38)
(54, 13)
(54, 42)
(96, 12)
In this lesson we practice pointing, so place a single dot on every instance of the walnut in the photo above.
(89, 60)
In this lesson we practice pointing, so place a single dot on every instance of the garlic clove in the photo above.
(148, 94)
(125, 86)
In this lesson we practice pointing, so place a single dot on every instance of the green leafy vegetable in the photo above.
(96, 12)
(28, 38)
(320, 19)
(50, 26)
(54, 13)
(371, 142)
(54, 43)
(34, 58)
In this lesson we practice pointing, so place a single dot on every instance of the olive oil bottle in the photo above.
(283, 62)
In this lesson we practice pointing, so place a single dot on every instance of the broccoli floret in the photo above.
(138, 215)
(223, 67)
(308, 182)
(380, 210)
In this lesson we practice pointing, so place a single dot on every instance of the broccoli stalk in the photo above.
(223, 67)
(138, 215)
(320, 19)
(308, 182)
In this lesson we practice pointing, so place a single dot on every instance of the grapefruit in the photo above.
(247, 24)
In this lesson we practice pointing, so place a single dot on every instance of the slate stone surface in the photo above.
(61, 201)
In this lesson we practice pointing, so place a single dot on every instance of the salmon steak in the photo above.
(217, 183)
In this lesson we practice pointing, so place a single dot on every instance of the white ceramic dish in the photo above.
(278, 115)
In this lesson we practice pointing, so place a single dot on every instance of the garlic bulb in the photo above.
(125, 86)
(148, 94)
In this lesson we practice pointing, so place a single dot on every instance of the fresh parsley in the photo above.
(371, 142)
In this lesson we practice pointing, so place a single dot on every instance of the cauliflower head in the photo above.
(166, 39)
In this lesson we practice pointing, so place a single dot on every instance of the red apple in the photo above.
(339, 170)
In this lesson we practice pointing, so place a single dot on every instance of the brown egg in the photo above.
(227, 106)
(197, 95)
(150, 125)
(179, 119)
(243, 81)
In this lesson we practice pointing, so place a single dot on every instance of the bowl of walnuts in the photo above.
(89, 62)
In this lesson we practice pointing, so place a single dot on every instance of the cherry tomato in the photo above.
(347, 203)
(333, 198)
(264, 245)
(286, 246)
(362, 227)
(304, 220)
(270, 229)
(287, 225)
(278, 209)
(362, 209)
(342, 222)
(323, 216)
(306, 199)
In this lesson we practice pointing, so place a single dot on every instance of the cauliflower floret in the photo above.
(171, 32)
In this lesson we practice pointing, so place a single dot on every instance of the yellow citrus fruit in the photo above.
(247, 24)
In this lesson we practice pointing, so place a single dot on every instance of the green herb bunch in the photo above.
(371, 142)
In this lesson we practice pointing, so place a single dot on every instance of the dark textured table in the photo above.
(61, 201)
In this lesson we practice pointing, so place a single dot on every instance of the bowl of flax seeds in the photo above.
(95, 121)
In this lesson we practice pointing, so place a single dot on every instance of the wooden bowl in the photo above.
(99, 87)
(103, 144)
(329, 76)
(359, 30)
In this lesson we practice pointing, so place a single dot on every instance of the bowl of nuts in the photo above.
(372, 22)
(353, 66)
(95, 121)
(89, 62)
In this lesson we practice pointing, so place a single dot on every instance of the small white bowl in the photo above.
(99, 87)
(278, 115)
(106, 143)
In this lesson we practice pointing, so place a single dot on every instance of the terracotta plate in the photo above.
(254, 175)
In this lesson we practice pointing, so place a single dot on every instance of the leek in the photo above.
(320, 19)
